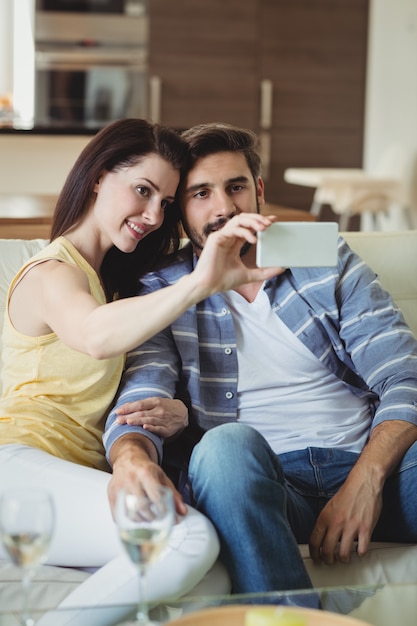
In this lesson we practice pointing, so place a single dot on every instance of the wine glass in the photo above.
(144, 522)
(26, 526)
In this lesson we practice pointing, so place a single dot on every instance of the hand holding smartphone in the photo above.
(298, 244)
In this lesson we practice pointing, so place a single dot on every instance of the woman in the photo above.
(69, 323)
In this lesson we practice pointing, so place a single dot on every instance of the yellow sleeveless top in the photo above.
(55, 398)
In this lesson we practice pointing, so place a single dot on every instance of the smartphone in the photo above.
(298, 244)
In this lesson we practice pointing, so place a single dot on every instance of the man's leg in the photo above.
(238, 482)
(398, 521)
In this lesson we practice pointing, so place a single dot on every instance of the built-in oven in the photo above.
(128, 7)
(82, 86)
(91, 62)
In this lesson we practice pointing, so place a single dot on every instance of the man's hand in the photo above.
(134, 462)
(220, 266)
(351, 515)
(161, 416)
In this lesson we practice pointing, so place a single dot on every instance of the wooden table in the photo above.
(286, 214)
(30, 216)
(26, 216)
(349, 191)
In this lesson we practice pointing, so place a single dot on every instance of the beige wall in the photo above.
(5, 47)
(391, 102)
(37, 163)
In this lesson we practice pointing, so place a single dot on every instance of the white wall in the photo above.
(30, 163)
(6, 82)
(391, 101)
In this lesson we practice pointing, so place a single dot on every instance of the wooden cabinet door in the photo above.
(211, 58)
(314, 52)
(205, 55)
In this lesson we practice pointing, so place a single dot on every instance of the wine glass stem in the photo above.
(142, 615)
(26, 616)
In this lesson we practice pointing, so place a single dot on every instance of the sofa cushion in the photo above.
(13, 254)
(50, 585)
(383, 563)
(393, 256)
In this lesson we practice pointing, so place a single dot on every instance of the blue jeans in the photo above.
(263, 504)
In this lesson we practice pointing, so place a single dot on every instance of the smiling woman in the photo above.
(118, 188)
(66, 331)
(115, 195)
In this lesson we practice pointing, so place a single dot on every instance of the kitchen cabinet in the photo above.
(205, 55)
(314, 53)
(292, 70)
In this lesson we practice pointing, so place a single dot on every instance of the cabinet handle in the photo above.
(265, 120)
(265, 152)
(155, 87)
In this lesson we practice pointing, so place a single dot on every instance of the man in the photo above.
(302, 394)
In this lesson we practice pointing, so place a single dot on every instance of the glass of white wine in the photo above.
(26, 526)
(144, 522)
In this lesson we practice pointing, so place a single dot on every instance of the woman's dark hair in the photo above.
(206, 139)
(122, 144)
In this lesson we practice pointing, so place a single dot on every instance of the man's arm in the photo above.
(151, 371)
(384, 353)
(352, 514)
(135, 462)
(164, 417)
(134, 452)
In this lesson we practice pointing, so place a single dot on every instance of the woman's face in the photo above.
(131, 201)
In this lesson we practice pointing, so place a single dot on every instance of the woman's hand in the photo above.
(220, 266)
(162, 416)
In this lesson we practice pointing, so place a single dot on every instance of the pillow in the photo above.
(13, 254)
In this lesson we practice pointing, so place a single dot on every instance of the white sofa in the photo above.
(393, 255)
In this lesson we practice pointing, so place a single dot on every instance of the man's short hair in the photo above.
(206, 139)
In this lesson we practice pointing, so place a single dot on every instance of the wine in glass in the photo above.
(26, 525)
(144, 522)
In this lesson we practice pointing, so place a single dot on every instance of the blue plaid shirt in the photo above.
(342, 314)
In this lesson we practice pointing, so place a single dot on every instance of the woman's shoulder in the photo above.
(60, 250)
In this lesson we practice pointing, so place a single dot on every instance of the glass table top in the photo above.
(382, 605)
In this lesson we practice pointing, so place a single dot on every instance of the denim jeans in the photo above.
(263, 504)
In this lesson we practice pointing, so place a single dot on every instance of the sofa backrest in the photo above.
(392, 255)
(13, 254)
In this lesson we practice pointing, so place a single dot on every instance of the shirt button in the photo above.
(228, 351)
(229, 395)
(224, 311)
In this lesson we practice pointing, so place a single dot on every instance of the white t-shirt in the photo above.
(284, 391)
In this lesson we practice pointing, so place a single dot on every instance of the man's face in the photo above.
(217, 188)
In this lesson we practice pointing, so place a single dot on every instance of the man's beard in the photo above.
(198, 240)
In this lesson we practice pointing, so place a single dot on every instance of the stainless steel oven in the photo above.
(91, 62)
(129, 7)
(89, 86)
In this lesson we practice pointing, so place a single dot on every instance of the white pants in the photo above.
(85, 534)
